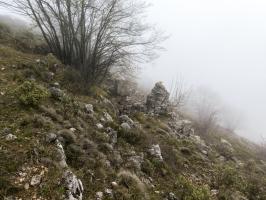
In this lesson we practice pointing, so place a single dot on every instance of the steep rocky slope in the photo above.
(112, 143)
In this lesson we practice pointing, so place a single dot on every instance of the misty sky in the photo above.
(220, 44)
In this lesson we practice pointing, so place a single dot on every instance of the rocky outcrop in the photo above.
(73, 186)
(158, 100)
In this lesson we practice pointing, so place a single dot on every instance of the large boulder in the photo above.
(158, 100)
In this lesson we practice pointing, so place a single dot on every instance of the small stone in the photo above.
(108, 191)
(99, 195)
(214, 192)
(107, 117)
(114, 184)
(35, 180)
(56, 84)
(99, 126)
(125, 126)
(26, 186)
(10, 137)
(89, 108)
(3, 68)
(155, 151)
(73, 130)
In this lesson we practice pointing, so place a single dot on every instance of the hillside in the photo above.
(59, 142)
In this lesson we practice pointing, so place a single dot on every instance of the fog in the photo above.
(216, 44)
(219, 45)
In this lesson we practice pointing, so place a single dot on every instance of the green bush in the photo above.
(189, 191)
(30, 93)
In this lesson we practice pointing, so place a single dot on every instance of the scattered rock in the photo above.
(26, 186)
(56, 84)
(107, 117)
(73, 130)
(108, 191)
(171, 196)
(10, 137)
(36, 180)
(99, 195)
(125, 126)
(214, 192)
(99, 126)
(126, 119)
(114, 184)
(89, 108)
(155, 151)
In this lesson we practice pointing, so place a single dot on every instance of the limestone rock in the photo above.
(99, 126)
(10, 137)
(36, 180)
(158, 100)
(73, 185)
(99, 195)
(89, 108)
(155, 151)
(125, 126)
(107, 117)
(126, 119)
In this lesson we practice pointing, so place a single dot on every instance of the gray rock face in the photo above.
(155, 151)
(158, 100)
(10, 137)
(73, 186)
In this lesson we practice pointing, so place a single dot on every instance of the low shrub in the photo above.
(189, 191)
(30, 93)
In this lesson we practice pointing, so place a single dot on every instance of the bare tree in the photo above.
(179, 93)
(95, 36)
(206, 105)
